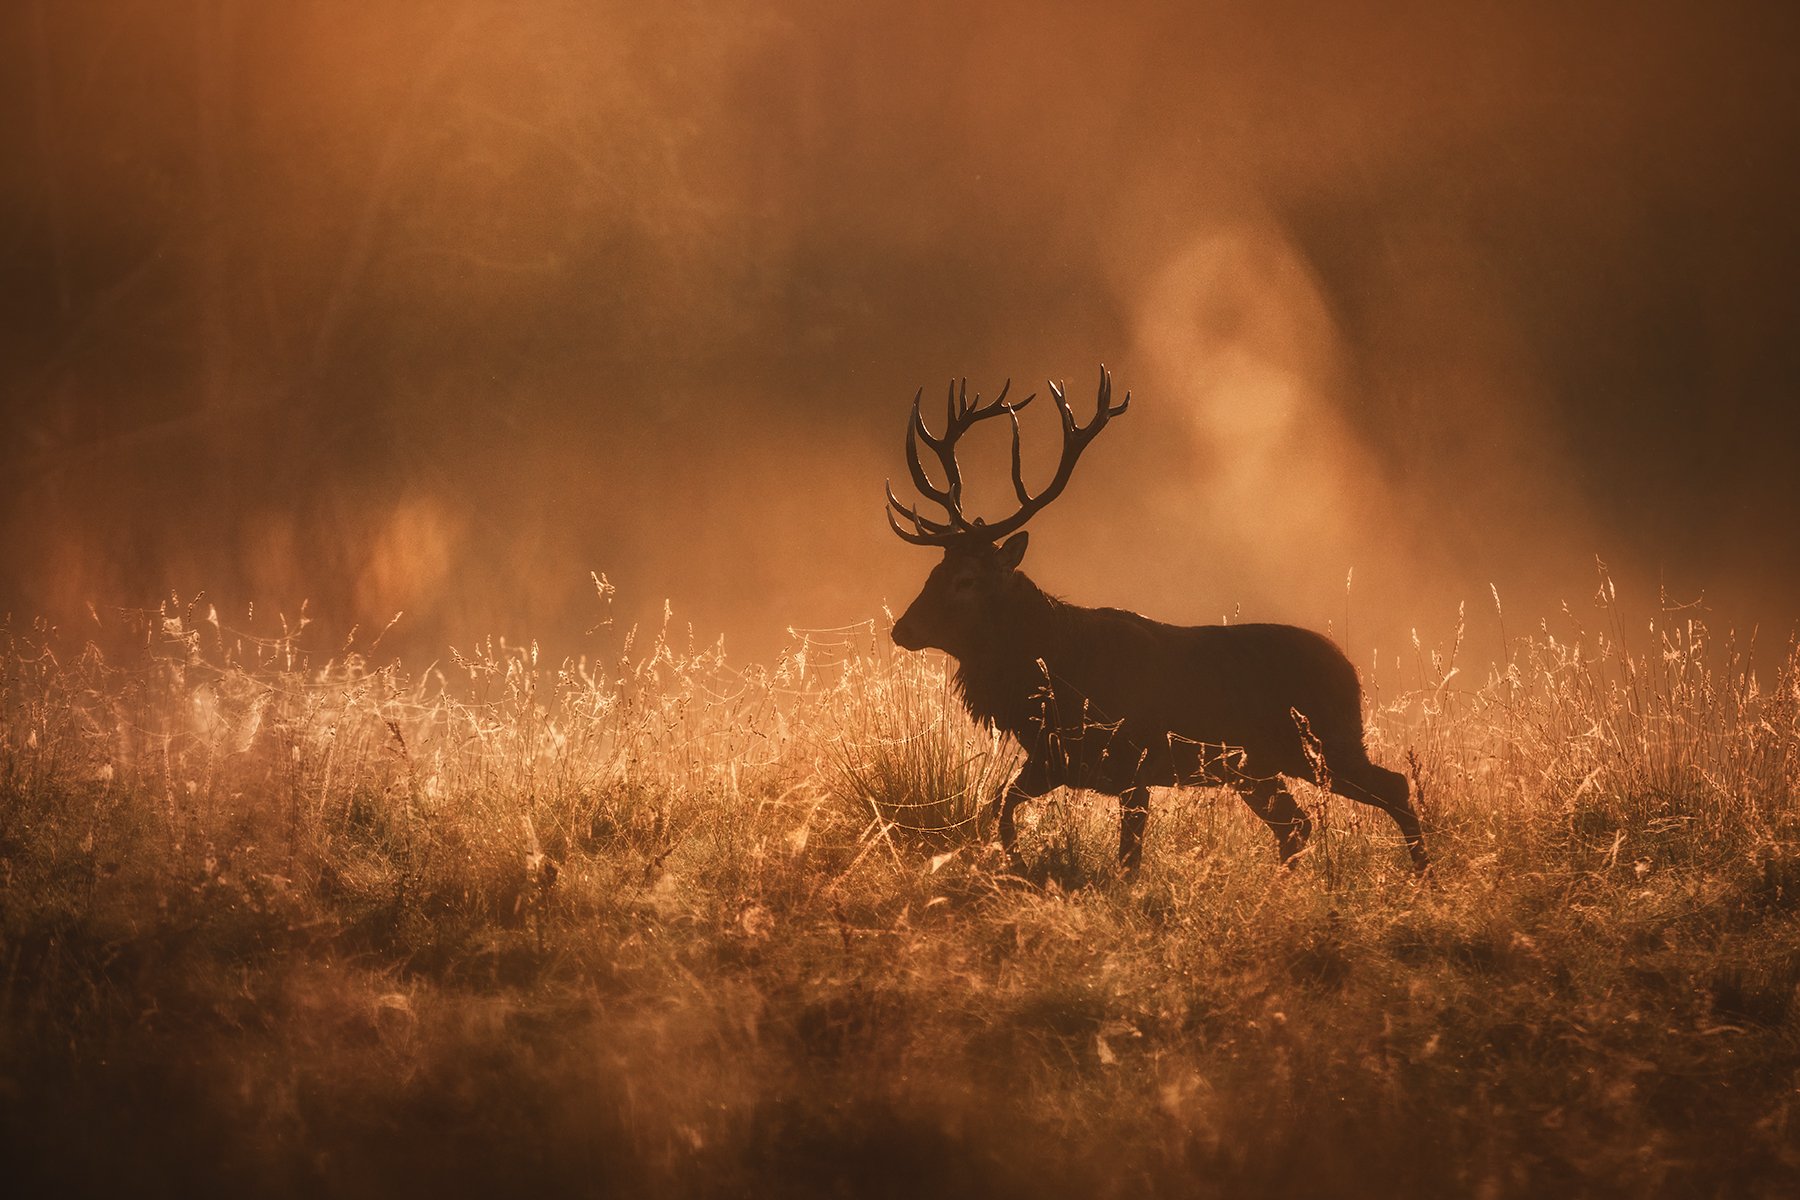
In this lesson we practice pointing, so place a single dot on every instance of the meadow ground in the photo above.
(662, 926)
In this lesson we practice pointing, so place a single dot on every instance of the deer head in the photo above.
(964, 592)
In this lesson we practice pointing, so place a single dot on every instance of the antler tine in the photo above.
(1105, 407)
(1018, 466)
(926, 532)
(981, 412)
(915, 430)
(961, 414)
(916, 538)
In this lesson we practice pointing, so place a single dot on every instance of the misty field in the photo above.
(282, 919)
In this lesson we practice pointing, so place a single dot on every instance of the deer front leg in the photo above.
(1134, 814)
(1025, 786)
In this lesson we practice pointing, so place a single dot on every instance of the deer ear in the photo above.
(1012, 552)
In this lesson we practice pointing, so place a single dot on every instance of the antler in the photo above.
(961, 417)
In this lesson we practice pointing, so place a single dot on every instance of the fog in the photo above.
(439, 308)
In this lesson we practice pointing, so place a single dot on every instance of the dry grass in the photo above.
(656, 925)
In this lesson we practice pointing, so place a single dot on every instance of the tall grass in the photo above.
(898, 742)
(293, 918)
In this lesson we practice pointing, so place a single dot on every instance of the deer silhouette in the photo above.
(1111, 701)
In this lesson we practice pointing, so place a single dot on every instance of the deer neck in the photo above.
(1001, 673)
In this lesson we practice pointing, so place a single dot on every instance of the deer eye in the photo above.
(963, 583)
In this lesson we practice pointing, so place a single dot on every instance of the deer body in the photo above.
(1130, 701)
(1114, 702)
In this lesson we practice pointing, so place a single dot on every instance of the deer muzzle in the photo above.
(907, 635)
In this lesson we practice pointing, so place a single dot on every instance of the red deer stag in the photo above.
(1114, 702)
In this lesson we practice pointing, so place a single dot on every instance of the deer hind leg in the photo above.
(1381, 788)
(1269, 799)
(1134, 814)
